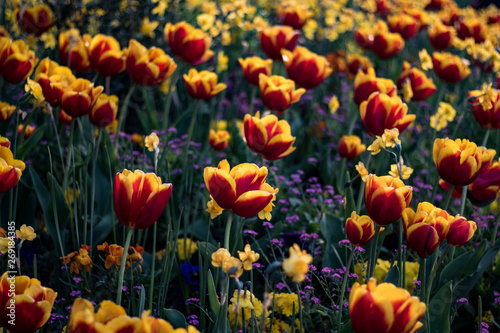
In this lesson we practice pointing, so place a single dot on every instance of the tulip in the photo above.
(202, 85)
(383, 7)
(421, 86)
(364, 38)
(359, 229)
(386, 198)
(441, 36)
(486, 187)
(357, 62)
(253, 66)
(381, 112)
(104, 110)
(242, 189)
(30, 129)
(487, 118)
(306, 68)
(17, 61)
(139, 198)
(387, 44)
(4, 142)
(219, 140)
(6, 110)
(275, 38)
(53, 78)
(459, 162)
(79, 97)
(472, 27)
(10, 169)
(65, 118)
(73, 50)
(420, 15)
(426, 228)
(461, 231)
(190, 44)
(35, 20)
(33, 303)
(384, 308)
(106, 56)
(295, 16)
(269, 137)
(449, 67)
(278, 93)
(403, 24)
(351, 147)
(367, 83)
(148, 67)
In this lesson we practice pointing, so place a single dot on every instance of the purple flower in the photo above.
(280, 286)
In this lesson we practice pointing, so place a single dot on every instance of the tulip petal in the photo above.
(252, 202)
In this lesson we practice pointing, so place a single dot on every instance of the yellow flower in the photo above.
(160, 7)
(438, 122)
(231, 263)
(35, 89)
(425, 60)
(246, 304)
(310, 29)
(248, 257)
(376, 145)
(147, 27)
(297, 265)
(406, 171)
(222, 61)
(186, 249)
(152, 141)
(5, 243)
(214, 209)
(219, 256)
(488, 94)
(284, 303)
(362, 171)
(446, 111)
(407, 91)
(49, 41)
(26, 233)
(390, 137)
(334, 104)
(205, 21)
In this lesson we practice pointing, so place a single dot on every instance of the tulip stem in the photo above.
(123, 113)
(92, 193)
(68, 157)
(495, 230)
(402, 277)
(373, 253)
(448, 196)
(152, 280)
(227, 233)
(463, 200)
(423, 292)
(122, 266)
(251, 107)
(485, 139)
(342, 288)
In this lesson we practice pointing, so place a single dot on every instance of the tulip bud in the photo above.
(202, 85)
(359, 229)
(461, 231)
(367, 83)
(364, 38)
(79, 97)
(190, 44)
(386, 44)
(449, 67)
(17, 61)
(357, 62)
(106, 56)
(73, 50)
(10, 171)
(253, 66)
(421, 86)
(472, 27)
(104, 110)
(350, 146)
(306, 68)
(275, 38)
(35, 20)
(441, 36)
(295, 16)
(219, 140)
(30, 129)
(403, 24)
(278, 93)
(6, 110)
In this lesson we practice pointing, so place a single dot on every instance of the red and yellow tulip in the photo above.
(350, 146)
(10, 169)
(253, 66)
(74, 50)
(461, 231)
(441, 36)
(52, 78)
(106, 56)
(387, 44)
(17, 61)
(486, 117)
(35, 20)
(357, 62)
(359, 229)
(190, 44)
(275, 38)
(486, 187)
(79, 97)
(202, 85)
(367, 83)
(294, 15)
(364, 38)
(472, 27)
(449, 67)
(139, 198)
(278, 93)
(6, 110)
(421, 86)
(306, 68)
(104, 110)
(219, 140)
(404, 24)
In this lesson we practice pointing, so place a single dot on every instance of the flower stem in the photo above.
(343, 287)
(495, 230)
(227, 233)
(373, 253)
(92, 195)
(485, 139)
(152, 280)
(463, 200)
(447, 199)
(251, 108)
(122, 266)
(402, 277)
(68, 157)
(123, 113)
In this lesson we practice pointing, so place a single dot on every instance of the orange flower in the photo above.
(461, 231)
(78, 259)
(10, 169)
(381, 112)
(269, 137)
(385, 307)
(275, 38)
(30, 305)
(242, 189)
(253, 66)
(292, 15)
(6, 110)
(106, 56)
(449, 67)
(486, 117)
(35, 20)
(74, 50)
(190, 44)
(472, 27)
(421, 86)
(441, 36)
(404, 24)
(351, 147)
(278, 93)
(359, 229)
(306, 68)
(219, 140)
(387, 44)
(79, 97)
(357, 62)
(367, 83)
(139, 198)
(202, 85)
(386, 198)
(17, 61)
(148, 67)
(459, 162)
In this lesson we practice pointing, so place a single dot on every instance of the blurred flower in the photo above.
(35, 90)
(79, 97)
(148, 67)
(152, 141)
(78, 259)
(30, 129)
(275, 38)
(357, 62)
(441, 36)
(306, 68)
(17, 61)
(485, 106)
(222, 61)
(202, 85)
(382, 269)
(190, 44)
(278, 93)
(35, 20)
(10, 170)
(33, 303)
(425, 59)
(445, 113)
(294, 15)
(253, 66)
(26, 233)
(449, 67)
(406, 171)
(364, 38)
(65, 118)
(219, 140)
(6, 110)
(4, 142)
(367, 83)
(268, 136)
(486, 187)
(186, 248)
(461, 231)
(381, 112)
(49, 40)
(362, 171)
(350, 146)
(139, 198)
(359, 229)
(386, 44)
(104, 110)
(386, 198)
(230, 264)
(248, 257)
(243, 307)
(109, 317)
(404, 24)
(147, 27)
(334, 104)
(106, 56)
(472, 27)
(242, 189)
(421, 86)
(296, 265)
(74, 50)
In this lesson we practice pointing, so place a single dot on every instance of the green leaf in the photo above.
(349, 197)
(393, 275)
(142, 301)
(30, 143)
(102, 228)
(439, 309)
(347, 327)
(212, 294)
(175, 318)
(331, 228)
(62, 209)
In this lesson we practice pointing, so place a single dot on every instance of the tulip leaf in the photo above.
(346, 328)
(175, 318)
(350, 206)
(30, 143)
(439, 309)
(331, 228)
(142, 300)
(212, 294)
(393, 275)
(63, 212)
(102, 228)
